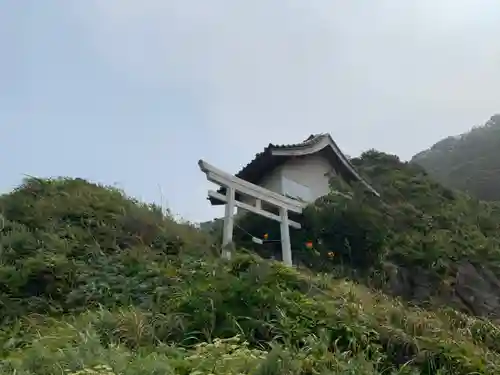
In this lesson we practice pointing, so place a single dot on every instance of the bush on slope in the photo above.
(112, 298)
(415, 242)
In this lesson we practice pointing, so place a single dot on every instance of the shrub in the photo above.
(94, 282)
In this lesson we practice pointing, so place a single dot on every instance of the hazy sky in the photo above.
(133, 93)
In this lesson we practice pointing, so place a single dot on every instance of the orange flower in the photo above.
(309, 244)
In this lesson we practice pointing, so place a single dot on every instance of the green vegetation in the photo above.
(468, 162)
(418, 228)
(92, 282)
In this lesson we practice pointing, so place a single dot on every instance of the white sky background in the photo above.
(394, 75)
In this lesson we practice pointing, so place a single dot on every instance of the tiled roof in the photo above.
(267, 152)
(264, 162)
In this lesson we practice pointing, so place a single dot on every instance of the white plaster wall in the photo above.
(312, 171)
(273, 181)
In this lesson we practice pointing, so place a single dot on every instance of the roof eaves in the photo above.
(350, 167)
(313, 138)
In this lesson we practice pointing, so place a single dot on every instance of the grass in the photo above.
(121, 289)
(286, 323)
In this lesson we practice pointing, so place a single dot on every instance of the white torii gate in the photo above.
(234, 184)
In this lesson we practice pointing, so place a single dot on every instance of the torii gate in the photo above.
(234, 184)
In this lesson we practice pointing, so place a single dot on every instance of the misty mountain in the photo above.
(468, 162)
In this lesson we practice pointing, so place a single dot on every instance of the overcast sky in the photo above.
(133, 93)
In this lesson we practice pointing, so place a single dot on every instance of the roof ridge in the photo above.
(310, 137)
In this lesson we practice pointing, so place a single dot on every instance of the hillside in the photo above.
(92, 282)
(468, 162)
(422, 242)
